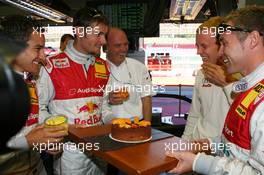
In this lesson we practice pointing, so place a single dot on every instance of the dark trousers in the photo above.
(47, 162)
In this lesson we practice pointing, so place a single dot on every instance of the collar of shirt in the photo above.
(113, 66)
(254, 77)
(120, 73)
(77, 56)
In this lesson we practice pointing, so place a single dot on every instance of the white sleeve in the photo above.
(45, 94)
(145, 82)
(223, 165)
(107, 114)
(18, 142)
(194, 112)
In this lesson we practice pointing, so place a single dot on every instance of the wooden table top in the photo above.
(147, 158)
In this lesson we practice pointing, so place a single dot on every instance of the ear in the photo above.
(255, 39)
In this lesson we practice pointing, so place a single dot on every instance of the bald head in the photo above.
(115, 32)
(117, 46)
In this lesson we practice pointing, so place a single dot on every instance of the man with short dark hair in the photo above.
(26, 159)
(242, 143)
(64, 41)
(72, 85)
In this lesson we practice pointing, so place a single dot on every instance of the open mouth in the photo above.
(39, 62)
(226, 60)
(122, 55)
(204, 59)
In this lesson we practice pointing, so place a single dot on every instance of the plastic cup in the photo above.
(124, 94)
(58, 120)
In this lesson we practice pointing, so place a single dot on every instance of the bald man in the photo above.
(125, 73)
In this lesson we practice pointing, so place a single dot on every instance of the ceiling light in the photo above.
(185, 9)
(40, 9)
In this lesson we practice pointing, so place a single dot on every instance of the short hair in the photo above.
(250, 17)
(65, 36)
(211, 25)
(19, 27)
(88, 15)
(212, 22)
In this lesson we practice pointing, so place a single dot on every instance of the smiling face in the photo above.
(90, 42)
(207, 48)
(117, 46)
(235, 53)
(31, 58)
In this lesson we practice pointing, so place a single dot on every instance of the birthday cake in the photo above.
(130, 130)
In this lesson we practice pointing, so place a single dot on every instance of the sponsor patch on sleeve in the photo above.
(100, 68)
(241, 112)
(98, 75)
(252, 95)
(61, 63)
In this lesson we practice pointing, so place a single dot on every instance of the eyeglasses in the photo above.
(94, 13)
(226, 27)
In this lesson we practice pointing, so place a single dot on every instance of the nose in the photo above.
(42, 56)
(199, 50)
(102, 40)
(221, 50)
(124, 48)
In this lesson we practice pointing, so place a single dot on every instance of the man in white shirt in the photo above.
(128, 73)
(211, 95)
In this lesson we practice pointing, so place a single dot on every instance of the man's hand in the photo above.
(41, 134)
(115, 98)
(215, 74)
(185, 162)
(201, 145)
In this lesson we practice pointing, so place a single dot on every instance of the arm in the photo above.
(195, 109)
(215, 74)
(45, 94)
(107, 114)
(147, 107)
(35, 135)
(255, 163)
(146, 94)
(40, 134)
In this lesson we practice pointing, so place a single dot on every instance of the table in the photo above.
(142, 159)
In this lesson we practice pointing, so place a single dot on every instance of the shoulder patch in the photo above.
(61, 62)
(259, 97)
(252, 95)
(206, 83)
(100, 66)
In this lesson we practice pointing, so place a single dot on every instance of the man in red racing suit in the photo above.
(72, 84)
